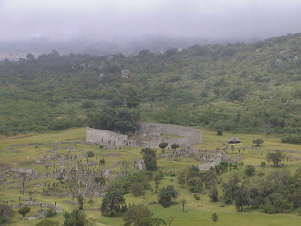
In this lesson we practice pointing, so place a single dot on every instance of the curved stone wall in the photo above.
(154, 131)
(150, 133)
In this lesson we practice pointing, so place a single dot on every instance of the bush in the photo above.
(219, 133)
(263, 164)
(293, 139)
(250, 170)
(90, 154)
(47, 222)
(214, 217)
(298, 211)
(6, 214)
(258, 142)
(269, 209)
(24, 210)
(50, 213)
(166, 195)
(196, 196)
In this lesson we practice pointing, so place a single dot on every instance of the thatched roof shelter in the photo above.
(234, 140)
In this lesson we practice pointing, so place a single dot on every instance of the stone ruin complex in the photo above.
(147, 135)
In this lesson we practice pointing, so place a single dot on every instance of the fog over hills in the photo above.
(116, 26)
(132, 46)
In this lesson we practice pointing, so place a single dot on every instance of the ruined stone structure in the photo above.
(109, 138)
(148, 134)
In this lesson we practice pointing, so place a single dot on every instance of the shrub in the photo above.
(250, 170)
(166, 195)
(269, 209)
(6, 214)
(24, 210)
(298, 211)
(263, 164)
(214, 217)
(196, 196)
(293, 139)
(50, 213)
(219, 133)
(258, 142)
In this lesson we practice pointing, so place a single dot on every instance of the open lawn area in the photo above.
(51, 155)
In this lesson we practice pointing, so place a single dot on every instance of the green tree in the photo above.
(214, 217)
(75, 218)
(183, 202)
(151, 221)
(174, 146)
(113, 203)
(166, 195)
(219, 132)
(250, 170)
(24, 210)
(6, 214)
(80, 201)
(276, 157)
(241, 197)
(258, 142)
(131, 94)
(149, 158)
(213, 195)
(138, 189)
(229, 189)
(136, 213)
(90, 154)
(163, 145)
(100, 180)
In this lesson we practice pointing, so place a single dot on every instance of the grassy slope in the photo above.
(193, 214)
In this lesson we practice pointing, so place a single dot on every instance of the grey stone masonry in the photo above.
(148, 134)
(108, 138)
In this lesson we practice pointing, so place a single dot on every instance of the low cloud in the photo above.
(120, 20)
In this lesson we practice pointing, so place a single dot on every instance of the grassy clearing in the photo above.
(197, 212)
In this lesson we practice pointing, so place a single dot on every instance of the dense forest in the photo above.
(236, 87)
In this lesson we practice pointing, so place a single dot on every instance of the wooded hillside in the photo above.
(235, 87)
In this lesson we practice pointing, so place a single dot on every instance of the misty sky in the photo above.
(121, 19)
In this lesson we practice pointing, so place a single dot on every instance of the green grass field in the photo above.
(196, 212)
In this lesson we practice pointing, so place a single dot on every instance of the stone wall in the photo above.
(108, 138)
(148, 134)
(153, 132)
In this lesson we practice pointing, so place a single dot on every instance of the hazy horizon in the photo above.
(122, 22)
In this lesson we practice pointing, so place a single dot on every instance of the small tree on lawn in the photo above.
(258, 142)
(214, 217)
(166, 195)
(213, 194)
(174, 146)
(24, 210)
(77, 217)
(6, 214)
(90, 154)
(136, 213)
(250, 170)
(276, 157)
(113, 203)
(183, 202)
(163, 145)
(149, 158)
(47, 222)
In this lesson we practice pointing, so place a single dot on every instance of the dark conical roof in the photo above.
(234, 140)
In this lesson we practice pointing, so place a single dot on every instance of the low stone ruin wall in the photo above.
(154, 131)
(108, 138)
(150, 133)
